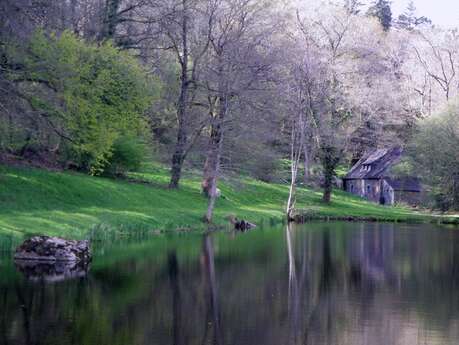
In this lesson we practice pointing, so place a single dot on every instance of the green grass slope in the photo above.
(69, 204)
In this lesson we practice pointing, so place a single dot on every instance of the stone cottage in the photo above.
(371, 178)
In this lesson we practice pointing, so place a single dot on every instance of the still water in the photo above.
(319, 283)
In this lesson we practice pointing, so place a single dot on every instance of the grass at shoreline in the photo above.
(69, 204)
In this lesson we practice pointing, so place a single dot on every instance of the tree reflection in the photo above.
(329, 283)
(173, 270)
(213, 313)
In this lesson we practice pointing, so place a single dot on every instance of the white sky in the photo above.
(441, 12)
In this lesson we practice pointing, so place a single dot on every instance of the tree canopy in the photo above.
(88, 94)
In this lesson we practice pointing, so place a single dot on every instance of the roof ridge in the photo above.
(378, 160)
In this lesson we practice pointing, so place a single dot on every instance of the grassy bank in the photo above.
(69, 204)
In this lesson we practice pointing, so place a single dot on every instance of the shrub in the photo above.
(127, 155)
(94, 93)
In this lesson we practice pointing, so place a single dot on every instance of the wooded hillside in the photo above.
(275, 90)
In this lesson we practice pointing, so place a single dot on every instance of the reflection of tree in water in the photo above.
(309, 302)
(36, 308)
(325, 285)
(212, 332)
(176, 302)
(213, 313)
(3, 321)
(362, 285)
(295, 285)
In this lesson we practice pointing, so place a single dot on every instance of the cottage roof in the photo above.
(406, 184)
(375, 156)
(375, 164)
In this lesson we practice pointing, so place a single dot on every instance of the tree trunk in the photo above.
(306, 164)
(182, 114)
(213, 162)
(111, 19)
(212, 165)
(10, 131)
(328, 186)
(178, 157)
(292, 190)
(296, 147)
(211, 159)
(329, 161)
(73, 16)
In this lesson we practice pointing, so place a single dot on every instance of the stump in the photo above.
(244, 225)
(241, 224)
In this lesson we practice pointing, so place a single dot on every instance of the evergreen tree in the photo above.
(408, 20)
(381, 9)
(353, 6)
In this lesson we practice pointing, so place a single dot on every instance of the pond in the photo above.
(319, 283)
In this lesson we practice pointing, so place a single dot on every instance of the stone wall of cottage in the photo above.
(366, 188)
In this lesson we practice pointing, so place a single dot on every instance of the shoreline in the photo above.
(71, 204)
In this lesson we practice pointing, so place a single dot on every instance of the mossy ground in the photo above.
(70, 204)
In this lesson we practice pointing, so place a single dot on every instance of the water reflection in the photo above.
(51, 272)
(214, 334)
(329, 283)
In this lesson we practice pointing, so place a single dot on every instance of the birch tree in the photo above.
(323, 81)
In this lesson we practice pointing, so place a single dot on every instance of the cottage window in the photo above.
(368, 189)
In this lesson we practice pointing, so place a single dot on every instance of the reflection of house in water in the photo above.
(371, 178)
(371, 254)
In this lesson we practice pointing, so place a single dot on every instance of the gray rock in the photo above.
(53, 249)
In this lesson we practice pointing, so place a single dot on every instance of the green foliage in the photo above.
(435, 153)
(99, 93)
(404, 168)
(341, 170)
(128, 153)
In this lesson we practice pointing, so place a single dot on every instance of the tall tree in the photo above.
(382, 11)
(323, 87)
(186, 27)
(238, 66)
(408, 19)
